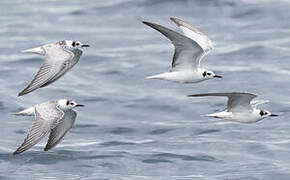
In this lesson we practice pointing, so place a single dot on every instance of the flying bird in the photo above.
(240, 107)
(190, 49)
(60, 57)
(55, 117)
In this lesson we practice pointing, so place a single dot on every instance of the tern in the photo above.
(240, 107)
(190, 49)
(59, 58)
(55, 117)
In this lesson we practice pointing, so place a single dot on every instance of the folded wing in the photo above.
(61, 129)
(47, 116)
(56, 63)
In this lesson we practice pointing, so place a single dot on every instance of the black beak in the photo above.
(85, 45)
(80, 105)
(274, 115)
(217, 76)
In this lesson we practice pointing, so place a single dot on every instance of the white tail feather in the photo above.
(159, 76)
(153, 77)
(26, 112)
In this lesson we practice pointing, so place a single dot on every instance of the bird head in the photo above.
(73, 44)
(66, 104)
(265, 114)
(207, 74)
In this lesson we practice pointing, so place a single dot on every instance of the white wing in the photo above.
(57, 62)
(196, 35)
(187, 52)
(47, 116)
(237, 102)
(61, 129)
(256, 103)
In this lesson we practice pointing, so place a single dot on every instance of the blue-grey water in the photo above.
(135, 128)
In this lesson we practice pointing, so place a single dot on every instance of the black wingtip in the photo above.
(172, 19)
(193, 95)
(146, 22)
(150, 24)
(47, 147)
(175, 20)
(23, 92)
(15, 153)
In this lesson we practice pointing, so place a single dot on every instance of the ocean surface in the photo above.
(133, 128)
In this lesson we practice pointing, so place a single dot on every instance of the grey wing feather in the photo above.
(187, 52)
(68, 65)
(236, 101)
(47, 116)
(194, 34)
(55, 65)
(61, 129)
(256, 103)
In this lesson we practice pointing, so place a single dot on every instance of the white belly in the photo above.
(245, 117)
(180, 76)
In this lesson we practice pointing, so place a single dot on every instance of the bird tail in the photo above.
(25, 112)
(214, 115)
(158, 76)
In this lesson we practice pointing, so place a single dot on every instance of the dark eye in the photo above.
(77, 44)
(72, 104)
(208, 74)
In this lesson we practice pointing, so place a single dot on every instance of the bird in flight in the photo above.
(240, 107)
(190, 49)
(55, 117)
(59, 58)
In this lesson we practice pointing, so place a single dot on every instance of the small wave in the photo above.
(122, 143)
(112, 72)
(21, 131)
(154, 161)
(116, 143)
(207, 131)
(86, 126)
(185, 157)
(121, 130)
(78, 12)
(96, 99)
(101, 156)
(159, 131)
